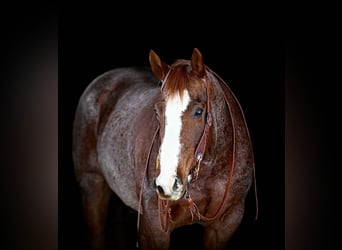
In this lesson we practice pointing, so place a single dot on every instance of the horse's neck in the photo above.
(229, 126)
(227, 121)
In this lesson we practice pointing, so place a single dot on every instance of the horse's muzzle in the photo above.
(173, 191)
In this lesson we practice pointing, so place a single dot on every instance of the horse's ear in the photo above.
(197, 62)
(159, 68)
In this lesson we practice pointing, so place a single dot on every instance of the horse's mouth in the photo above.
(173, 196)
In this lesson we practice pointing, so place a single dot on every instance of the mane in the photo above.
(179, 78)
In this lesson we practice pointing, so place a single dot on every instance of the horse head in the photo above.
(184, 118)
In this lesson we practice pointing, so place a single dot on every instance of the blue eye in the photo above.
(197, 112)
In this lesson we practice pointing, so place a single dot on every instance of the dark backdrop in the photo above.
(247, 53)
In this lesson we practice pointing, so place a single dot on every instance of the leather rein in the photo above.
(164, 205)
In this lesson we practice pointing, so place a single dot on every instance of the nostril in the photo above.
(176, 184)
(160, 190)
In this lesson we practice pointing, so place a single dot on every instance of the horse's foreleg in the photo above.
(151, 235)
(95, 198)
(218, 234)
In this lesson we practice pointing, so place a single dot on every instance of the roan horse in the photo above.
(172, 143)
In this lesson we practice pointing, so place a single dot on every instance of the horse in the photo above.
(171, 141)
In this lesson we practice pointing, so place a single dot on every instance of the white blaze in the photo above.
(171, 147)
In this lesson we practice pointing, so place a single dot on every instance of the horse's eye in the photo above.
(197, 112)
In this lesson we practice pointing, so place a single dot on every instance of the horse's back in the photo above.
(104, 126)
(108, 87)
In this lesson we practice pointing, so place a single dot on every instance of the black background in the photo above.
(247, 53)
(265, 52)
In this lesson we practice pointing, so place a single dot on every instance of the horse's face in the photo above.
(181, 118)
(181, 115)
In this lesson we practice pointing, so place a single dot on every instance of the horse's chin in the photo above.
(175, 196)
